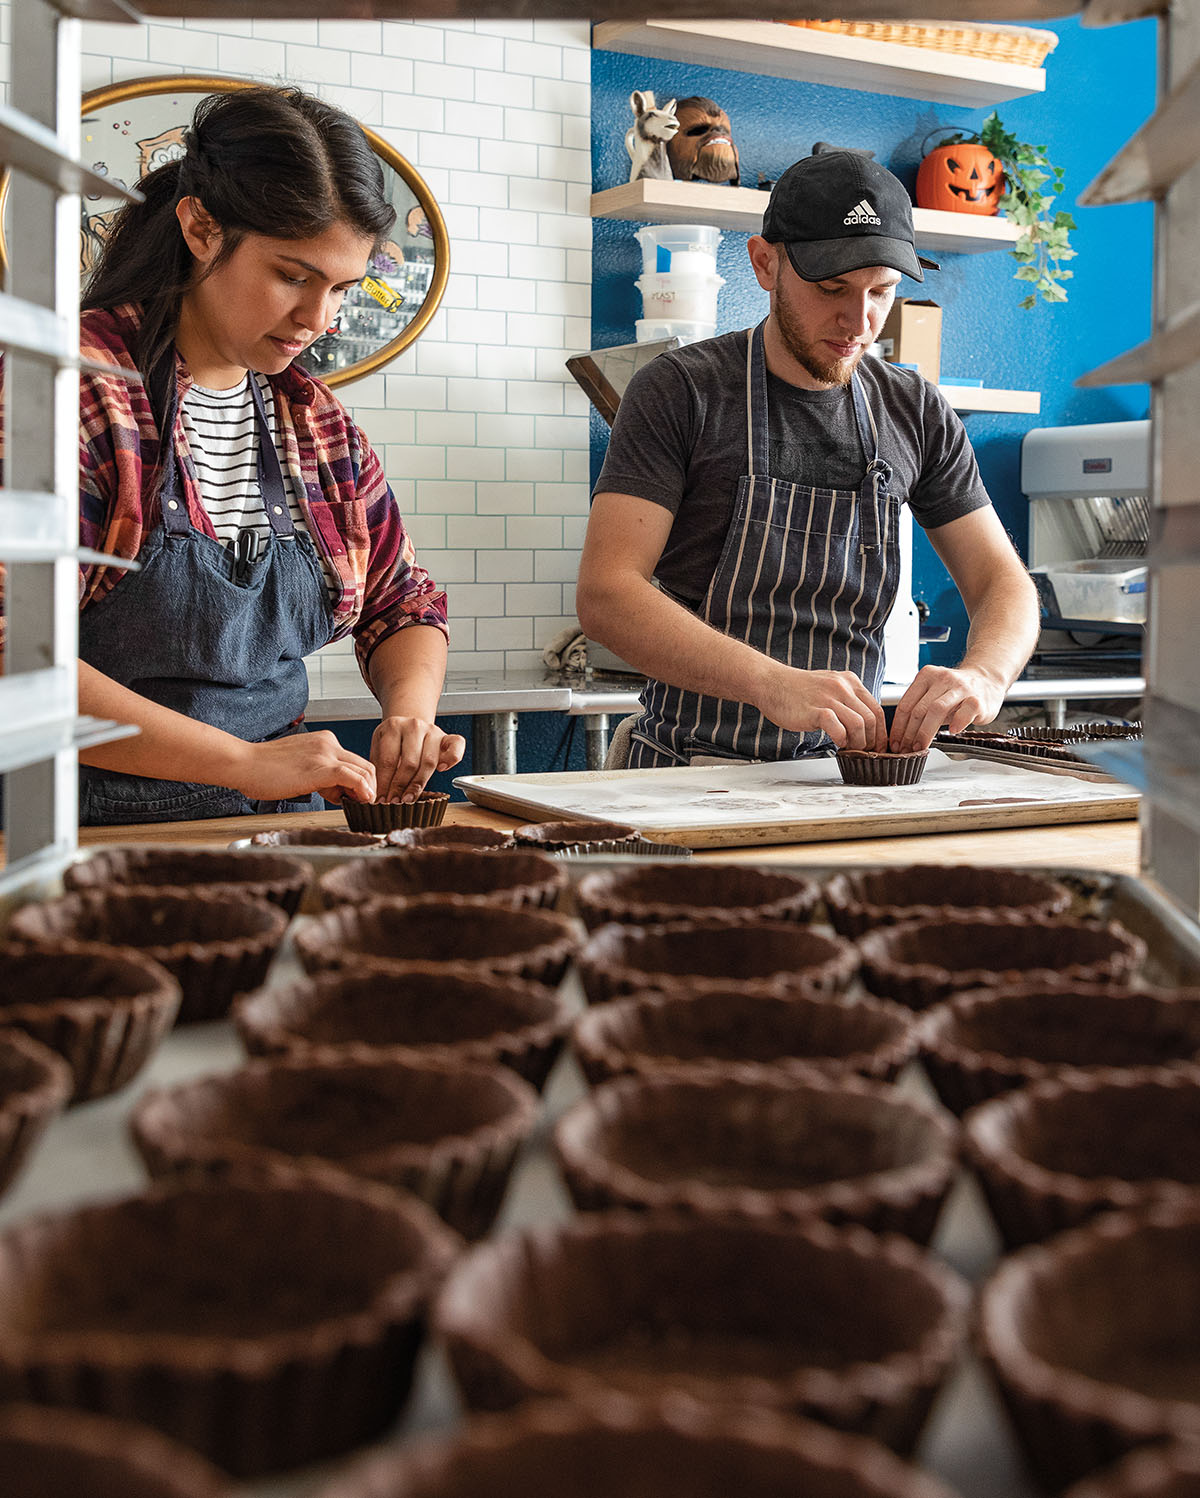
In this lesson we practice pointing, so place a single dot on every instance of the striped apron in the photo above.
(807, 576)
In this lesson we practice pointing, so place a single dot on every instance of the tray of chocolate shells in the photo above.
(442, 1169)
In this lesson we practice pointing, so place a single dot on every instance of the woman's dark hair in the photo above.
(273, 161)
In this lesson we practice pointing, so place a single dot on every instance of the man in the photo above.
(742, 548)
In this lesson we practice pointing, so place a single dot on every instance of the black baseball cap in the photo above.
(839, 211)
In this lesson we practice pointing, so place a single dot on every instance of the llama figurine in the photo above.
(646, 139)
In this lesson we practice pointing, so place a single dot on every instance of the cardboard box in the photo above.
(912, 334)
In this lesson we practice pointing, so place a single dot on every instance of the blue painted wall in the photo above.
(1100, 86)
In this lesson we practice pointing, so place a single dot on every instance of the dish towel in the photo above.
(568, 650)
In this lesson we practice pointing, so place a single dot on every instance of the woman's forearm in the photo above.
(407, 671)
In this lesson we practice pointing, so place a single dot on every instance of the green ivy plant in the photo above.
(1031, 184)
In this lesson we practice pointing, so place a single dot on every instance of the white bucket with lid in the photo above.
(690, 298)
(653, 329)
(679, 249)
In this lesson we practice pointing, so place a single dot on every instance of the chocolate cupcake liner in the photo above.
(217, 944)
(452, 930)
(759, 956)
(636, 1452)
(860, 900)
(313, 837)
(427, 1010)
(919, 963)
(274, 877)
(764, 1146)
(1162, 1472)
(577, 837)
(49, 1453)
(265, 1323)
(1093, 1338)
(872, 767)
(517, 879)
(1058, 1151)
(707, 1309)
(35, 1085)
(103, 1009)
(447, 1132)
(985, 1042)
(449, 835)
(653, 894)
(428, 810)
(725, 1028)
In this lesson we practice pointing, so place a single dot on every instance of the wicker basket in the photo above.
(1021, 45)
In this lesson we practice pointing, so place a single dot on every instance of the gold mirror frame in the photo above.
(371, 301)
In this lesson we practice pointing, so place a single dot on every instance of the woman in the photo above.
(259, 516)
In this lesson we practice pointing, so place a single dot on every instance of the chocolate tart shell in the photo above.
(517, 879)
(447, 1132)
(987, 1041)
(449, 835)
(265, 1323)
(760, 957)
(658, 892)
(315, 837)
(263, 876)
(761, 1145)
(103, 1009)
(880, 767)
(51, 1453)
(218, 944)
(919, 963)
(35, 1085)
(428, 810)
(424, 1010)
(450, 930)
(1160, 1472)
(551, 1446)
(657, 1306)
(859, 900)
(726, 1027)
(576, 837)
(1055, 1153)
(1093, 1338)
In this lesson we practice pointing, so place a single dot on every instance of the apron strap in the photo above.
(758, 431)
(873, 493)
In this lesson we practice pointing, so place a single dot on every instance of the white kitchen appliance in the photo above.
(1089, 523)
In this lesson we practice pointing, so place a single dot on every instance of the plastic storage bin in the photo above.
(652, 329)
(690, 298)
(679, 249)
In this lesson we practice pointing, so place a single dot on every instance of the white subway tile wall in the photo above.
(482, 432)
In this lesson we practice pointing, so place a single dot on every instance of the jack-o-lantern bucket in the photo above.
(963, 177)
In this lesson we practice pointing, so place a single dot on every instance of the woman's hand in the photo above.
(405, 752)
(300, 763)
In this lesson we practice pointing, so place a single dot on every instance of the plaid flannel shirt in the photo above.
(348, 504)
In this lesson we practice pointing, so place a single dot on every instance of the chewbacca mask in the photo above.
(703, 149)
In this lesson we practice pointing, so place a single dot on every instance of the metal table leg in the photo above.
(596, 735)
(1056, 711)
(494, 743)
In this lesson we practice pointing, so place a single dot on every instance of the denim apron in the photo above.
(807, 576)
(212, 632)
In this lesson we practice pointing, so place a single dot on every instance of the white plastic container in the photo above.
(690, 298)
(679, 249)
(653, 329)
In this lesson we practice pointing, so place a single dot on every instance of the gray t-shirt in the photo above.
(679, 440)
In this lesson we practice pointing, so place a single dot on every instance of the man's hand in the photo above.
(835, 702)
(405, 753)
(951, 697)
(286, 768)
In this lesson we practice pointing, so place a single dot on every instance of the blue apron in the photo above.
(212, 632)
(807, 576)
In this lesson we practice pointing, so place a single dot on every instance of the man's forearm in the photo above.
(169, 746)
(1004, 630)
(408, 671)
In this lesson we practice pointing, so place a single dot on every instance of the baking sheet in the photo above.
(804, 801)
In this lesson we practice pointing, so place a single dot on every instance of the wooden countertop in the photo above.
(1111, 846)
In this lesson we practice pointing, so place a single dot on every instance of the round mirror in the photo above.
(131, 128)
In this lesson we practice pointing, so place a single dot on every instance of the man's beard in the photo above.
(829, 371)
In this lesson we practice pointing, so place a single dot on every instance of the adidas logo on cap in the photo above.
(862, 213)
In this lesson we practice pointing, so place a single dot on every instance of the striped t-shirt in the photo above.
(222, 433)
